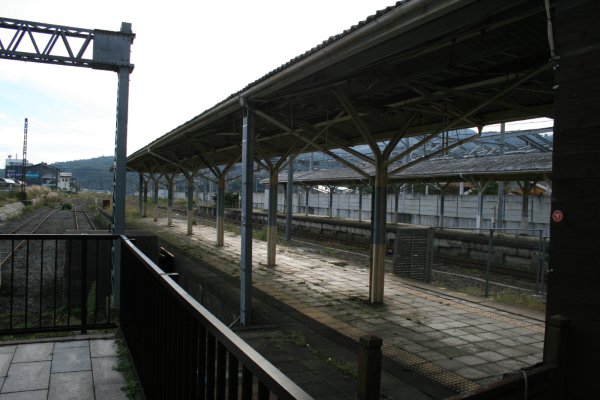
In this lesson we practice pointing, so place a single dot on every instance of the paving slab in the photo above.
(71, 386)
(103, 348)
(110, 391)
(5, 360)
(28, 395)
(33, 352)
(104, 371)
(27, 376)
(71, 359)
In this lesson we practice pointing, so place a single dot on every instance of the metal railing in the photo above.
(497, 252)
(52, 283)
(180, 350)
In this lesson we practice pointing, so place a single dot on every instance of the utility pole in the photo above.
(24, 168)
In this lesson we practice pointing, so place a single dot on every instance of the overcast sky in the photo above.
(188, 56)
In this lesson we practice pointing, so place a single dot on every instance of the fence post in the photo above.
(489, 263)
(540, 272)
(555, 352)
(369, 367)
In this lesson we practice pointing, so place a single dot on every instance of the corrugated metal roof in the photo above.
(511, 167)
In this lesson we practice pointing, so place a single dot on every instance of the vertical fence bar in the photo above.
(263, 391)
(221, 370)
(488, 266)
(26, 282)
(55, 281)
(84, 284)
(96, 280)
(12, 281)
(246, 383)
(202, 363)
(41, 282)
(232, 382)
(68, 286)
(210, 366)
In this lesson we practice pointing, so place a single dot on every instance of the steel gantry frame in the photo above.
(110, 52)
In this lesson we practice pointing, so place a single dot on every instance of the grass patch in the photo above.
(126, 367)
(522, 300)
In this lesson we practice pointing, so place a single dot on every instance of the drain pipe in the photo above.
(550, 31)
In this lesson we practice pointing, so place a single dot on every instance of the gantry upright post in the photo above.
(120, 160)
(246, 223)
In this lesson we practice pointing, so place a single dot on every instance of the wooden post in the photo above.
(369, 367)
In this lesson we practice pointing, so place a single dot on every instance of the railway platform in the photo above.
(458, 341)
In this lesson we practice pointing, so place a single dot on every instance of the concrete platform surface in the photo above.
(459, 341)
(60, 369)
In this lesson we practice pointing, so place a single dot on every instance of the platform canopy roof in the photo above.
(513, 167)
(419, 67)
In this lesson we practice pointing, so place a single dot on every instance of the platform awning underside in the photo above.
(419, 67)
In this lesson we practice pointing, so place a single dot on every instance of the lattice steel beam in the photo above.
(110, 49)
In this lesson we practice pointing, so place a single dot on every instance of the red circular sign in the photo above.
(557, 216)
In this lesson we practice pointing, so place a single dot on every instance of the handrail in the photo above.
(269, 376)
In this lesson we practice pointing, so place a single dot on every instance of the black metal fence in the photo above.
(180, 350)
(51, 283)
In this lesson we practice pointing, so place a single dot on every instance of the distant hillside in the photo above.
(92, 174)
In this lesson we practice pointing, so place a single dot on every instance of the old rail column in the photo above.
(290, 200)
(190, 203)
(379, 232)
(170, 199)
(221, 210)
(155, 197)
(141, 195)
(246, 222)
(272, 218)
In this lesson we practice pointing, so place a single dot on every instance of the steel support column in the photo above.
(307, 199)
(221, 210)
(246, 222)
(190, 204)
(155, 198)
(141, 195)
(170, 199)
(145, 210)
(360, 201)
(501, 206)
(289, 189)
(272, 218)
(331, 188)
(396, 202)
(379, 233)
(526, 190)
(120, 174)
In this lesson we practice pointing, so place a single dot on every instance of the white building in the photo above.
(66, 182)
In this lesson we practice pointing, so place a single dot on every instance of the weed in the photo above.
(126, 367)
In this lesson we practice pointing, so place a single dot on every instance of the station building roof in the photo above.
(417, 67)
(533, 166)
